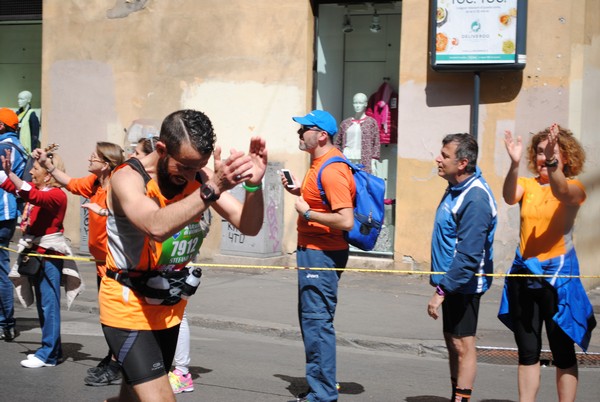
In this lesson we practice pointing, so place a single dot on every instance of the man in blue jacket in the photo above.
(8, 222)
(461, 251)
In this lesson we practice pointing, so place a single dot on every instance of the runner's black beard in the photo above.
(167, 187)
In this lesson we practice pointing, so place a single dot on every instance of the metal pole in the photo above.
(475, 107)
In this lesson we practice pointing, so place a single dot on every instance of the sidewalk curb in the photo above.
(432, 348)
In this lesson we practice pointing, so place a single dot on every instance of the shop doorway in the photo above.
(357, 46)
(21, 49)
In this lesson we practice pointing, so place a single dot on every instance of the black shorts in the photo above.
(142, 355)
(460, 313)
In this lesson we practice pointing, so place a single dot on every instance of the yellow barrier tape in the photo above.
(54, 256)
(384, 271)
(291, 267)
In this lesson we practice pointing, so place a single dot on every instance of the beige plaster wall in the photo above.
(559, 84)
(584, 80)
(248, 66)
(245, 64)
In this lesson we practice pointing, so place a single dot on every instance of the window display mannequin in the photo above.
(358, 137)
(29, 124)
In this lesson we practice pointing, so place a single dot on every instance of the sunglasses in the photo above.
(304, 129)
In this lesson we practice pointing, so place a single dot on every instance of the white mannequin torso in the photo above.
(352, 149)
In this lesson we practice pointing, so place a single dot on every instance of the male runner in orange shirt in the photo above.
(152, 199)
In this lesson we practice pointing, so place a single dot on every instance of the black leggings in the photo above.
(529, 308)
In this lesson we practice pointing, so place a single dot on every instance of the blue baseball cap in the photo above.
(320, 118)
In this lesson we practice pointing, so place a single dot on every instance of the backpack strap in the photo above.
(329, 161)
(22, 151)
(24, 155)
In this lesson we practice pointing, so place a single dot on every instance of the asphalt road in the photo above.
(246, 345)
(236, 366)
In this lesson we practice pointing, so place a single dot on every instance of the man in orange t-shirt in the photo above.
(321, 244)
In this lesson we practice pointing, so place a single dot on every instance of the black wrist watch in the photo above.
(552, 163)
(208, 193)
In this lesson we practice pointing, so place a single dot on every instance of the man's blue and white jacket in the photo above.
(463, 237)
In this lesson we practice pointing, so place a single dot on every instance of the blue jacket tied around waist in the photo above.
(575, 315)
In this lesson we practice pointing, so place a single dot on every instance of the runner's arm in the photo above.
(128, 198)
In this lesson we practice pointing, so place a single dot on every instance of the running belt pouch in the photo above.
(29, 265)
(138, 282)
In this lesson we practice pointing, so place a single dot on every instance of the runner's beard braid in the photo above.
(167, 187)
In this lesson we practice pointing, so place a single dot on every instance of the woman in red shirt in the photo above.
(42, 227)
(102, 162)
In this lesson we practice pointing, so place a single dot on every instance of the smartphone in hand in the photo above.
(288, 177)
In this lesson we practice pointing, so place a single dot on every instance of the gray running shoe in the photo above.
(103, 363)
(106, 376)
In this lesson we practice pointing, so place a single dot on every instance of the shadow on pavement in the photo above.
(299, 385)
(431, 398)
(497, 400)
(25, 324)
(196, 371)
(73, 351)
(70, 350)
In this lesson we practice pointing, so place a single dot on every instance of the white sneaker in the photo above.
(34, 362)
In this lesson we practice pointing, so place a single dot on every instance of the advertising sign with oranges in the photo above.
(472, 34)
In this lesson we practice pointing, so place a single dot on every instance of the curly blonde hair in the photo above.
(570, 149)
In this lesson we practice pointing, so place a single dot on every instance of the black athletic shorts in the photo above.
(142, 355)
(460, 313)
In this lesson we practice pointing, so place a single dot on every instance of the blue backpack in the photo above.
(368, 205)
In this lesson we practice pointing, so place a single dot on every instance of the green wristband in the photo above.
(251, 189)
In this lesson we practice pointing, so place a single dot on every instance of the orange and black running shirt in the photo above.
(130, 249)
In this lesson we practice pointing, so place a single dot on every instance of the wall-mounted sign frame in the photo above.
(478, 35)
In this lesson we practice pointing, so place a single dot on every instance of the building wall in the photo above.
(559, 84)
(584, 81)
(248, 65)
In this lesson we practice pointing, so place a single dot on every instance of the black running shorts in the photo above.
(460, 313)
(142, 355)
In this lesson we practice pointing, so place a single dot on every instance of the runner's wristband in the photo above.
(251, 189)
(440, 291)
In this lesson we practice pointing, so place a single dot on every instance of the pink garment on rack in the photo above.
(383, 107)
